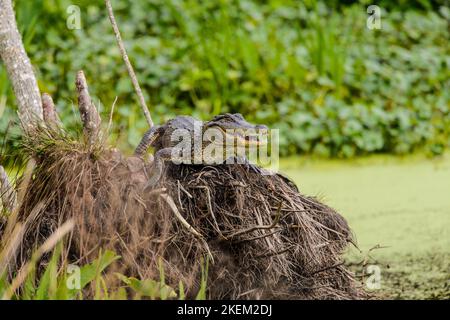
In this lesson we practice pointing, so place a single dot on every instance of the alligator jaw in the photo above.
(241, 138)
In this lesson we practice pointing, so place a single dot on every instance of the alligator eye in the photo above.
(261, 127)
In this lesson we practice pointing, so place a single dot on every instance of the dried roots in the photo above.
(263, 238)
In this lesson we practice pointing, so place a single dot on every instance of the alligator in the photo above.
(161, 138)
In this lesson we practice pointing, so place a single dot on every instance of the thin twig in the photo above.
(184, 190)
(177, 213)
(336, 265)
(183, 221)
(251, 229)
(123, 51)
(211, 211)
(260, 237)
(156, 192)
(272, 254)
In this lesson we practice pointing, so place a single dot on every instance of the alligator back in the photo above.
(180, 122)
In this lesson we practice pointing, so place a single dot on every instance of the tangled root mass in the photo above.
(264, 239)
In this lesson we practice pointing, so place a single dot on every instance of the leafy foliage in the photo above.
(311, 69)
(55, 283)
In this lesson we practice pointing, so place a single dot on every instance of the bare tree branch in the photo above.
(49, 110)
(19, 68)
(88, 112)
(123, 51)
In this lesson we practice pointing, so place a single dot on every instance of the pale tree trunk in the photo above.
(19, 68)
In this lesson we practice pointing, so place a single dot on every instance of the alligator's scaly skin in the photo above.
(160, 137)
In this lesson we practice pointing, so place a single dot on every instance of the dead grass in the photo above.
(264, 239)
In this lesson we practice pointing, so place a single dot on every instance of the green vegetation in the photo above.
(312, 69)
(401, 205)
(61, 282)
(332, 86)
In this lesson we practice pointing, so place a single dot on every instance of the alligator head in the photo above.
(236, 128)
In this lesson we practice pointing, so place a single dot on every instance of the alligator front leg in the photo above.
(147, 141)
(158, 166)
